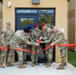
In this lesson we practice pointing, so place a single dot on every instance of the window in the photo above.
(26, 11)
(26, 21)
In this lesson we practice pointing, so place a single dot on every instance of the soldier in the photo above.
(28, 46)
(59, 38)
(46, 32)
(19, 39)
(36, 33)
(6, 35)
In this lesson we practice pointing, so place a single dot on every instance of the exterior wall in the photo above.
(1, 17)
(75, 24)
(61, 13)
(71, 22)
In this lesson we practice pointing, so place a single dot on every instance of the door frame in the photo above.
(38, 23)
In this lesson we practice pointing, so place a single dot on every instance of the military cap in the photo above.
(26, 30)
(35, 25)
(43, 24)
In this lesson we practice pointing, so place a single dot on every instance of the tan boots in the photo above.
(33, 64)
(48, 64)
(60, 68)
(9, 64)
(2, 66)
(21, 66)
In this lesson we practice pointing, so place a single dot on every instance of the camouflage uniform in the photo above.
(29, 47)
(49, 53)
(59, 38)
(35, 37)
(18, 40)
(6, 36)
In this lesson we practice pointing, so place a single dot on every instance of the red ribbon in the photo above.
(21, 49)
(67, 45)
(46, 48)
(3, 48)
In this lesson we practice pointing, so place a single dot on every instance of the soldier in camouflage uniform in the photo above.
(19, 39)
(6, 35)
(58, 38)
(46, 32)
(36, 33)
(29, 47)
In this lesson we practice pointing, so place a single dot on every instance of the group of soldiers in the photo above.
(23, 38)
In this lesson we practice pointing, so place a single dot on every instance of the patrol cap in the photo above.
(8, 23)
(43, 24)
(26, 30)
(52, 27)
(35, 25)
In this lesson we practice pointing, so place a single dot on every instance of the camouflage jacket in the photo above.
(6, 36)
(30, 37)
(46, 33)
(19, 38)
(36, 34)
(57, 38)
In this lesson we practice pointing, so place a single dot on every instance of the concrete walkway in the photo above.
(38, 70)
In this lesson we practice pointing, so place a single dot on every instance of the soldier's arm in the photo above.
(61, 35)
(3, 38)
(47, 41)
(47, 36)
(11, 35)
(33, 37)
(25, 39)
(30, 38)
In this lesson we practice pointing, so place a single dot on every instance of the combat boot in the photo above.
(32, 64)
(2, 66)
(48, 63)
(63, 64)
(25, 62)
(9, 64)
(36, 63)
(21, 66)
(60, 68)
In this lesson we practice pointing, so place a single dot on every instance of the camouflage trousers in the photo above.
(2, 56)
(8, 54)
(49, 53)
(24, 56)
(34, 57)
(63, 52)
(20, 56)
(25, 53)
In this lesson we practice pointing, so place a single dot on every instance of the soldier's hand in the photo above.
(40, 37)
(36, 44)
(52, 44)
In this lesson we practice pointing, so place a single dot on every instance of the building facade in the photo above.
(72, 22)
(1, 16)
(16, 11)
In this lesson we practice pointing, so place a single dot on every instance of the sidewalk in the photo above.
(38, 70)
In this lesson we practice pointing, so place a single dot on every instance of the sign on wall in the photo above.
(35, 1)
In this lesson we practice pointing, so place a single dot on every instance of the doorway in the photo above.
(25, 17)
